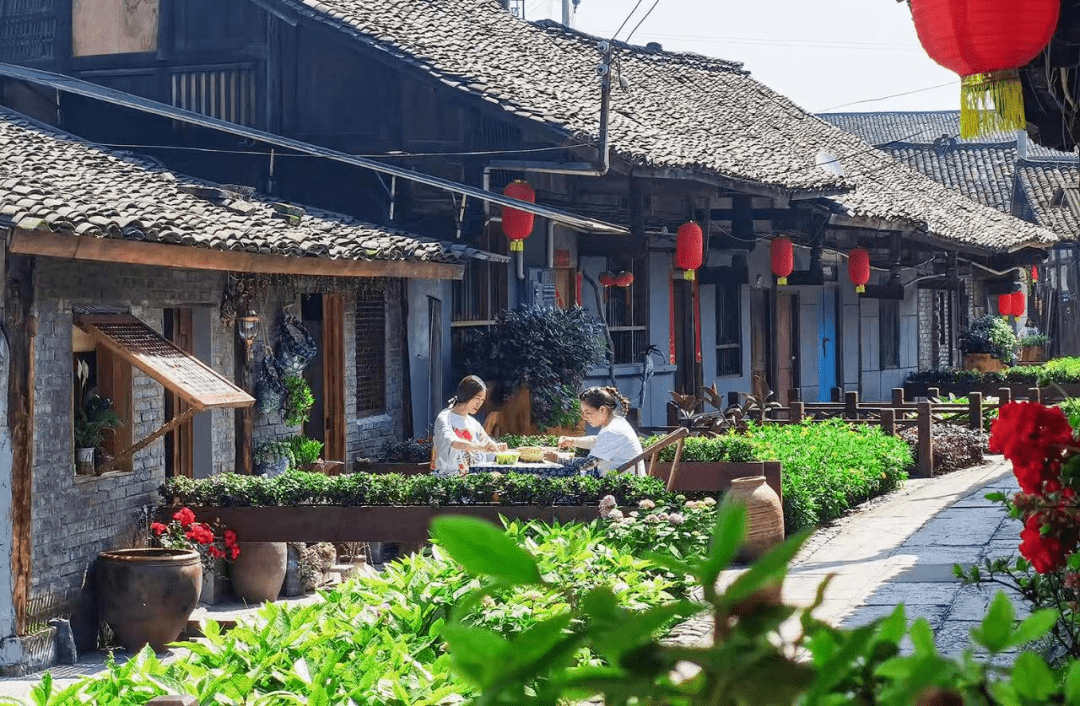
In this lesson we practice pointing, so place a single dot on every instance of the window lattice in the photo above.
(371, 352)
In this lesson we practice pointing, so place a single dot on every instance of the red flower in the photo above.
(230, 538)
(1029, 435)
(184, 516)
(1045, 553)
(200, 533)
(235, 551)
(157, 528)
(213, 551)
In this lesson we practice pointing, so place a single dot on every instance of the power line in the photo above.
(642, 20)
(626, 20)
(366, 156)
(894, 95)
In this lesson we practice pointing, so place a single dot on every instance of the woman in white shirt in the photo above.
(617, 441)
(457, 435)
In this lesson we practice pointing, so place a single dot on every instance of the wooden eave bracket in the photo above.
(142, 444)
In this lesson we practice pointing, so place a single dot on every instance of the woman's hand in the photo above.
(551, 456)
(492, 446)
(566, 442)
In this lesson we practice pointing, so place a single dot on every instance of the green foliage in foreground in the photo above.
(830, 466)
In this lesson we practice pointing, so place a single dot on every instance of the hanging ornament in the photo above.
(517, 224)
(859, 268)
(782, 254)
(1019, 304)
(688, 249)
(606, 278)
(1005, 303)
(986, 42)
(624, 279)
(1034, 274)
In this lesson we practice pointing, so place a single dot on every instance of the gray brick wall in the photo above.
(368, 436)
(926, 329)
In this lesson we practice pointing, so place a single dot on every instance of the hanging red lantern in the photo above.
(782, 254)
(689, 251)
(624, 279)
(607, 279)
(518, 224)
(1005, 303)
(986, 42)
(859, 268)
(1034, 274)
(1019, 305)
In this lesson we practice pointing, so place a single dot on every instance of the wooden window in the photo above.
(110, 377)
(889, 323)
(478, 297)
(627, 312)
(228, 93)
(728, 328)
(371, 351)
(102, 27)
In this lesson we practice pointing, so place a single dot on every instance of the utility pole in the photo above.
(566, 13)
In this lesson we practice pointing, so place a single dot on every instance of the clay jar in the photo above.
(765, 516)
(147, 595)
(259, 572)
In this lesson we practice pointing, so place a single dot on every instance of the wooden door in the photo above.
(688, 373)
(787, 352)
(334, 377)
(179, 443)
(827, 358)
(760, 341)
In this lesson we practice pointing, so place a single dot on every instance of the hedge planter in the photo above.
(147, 595)
(1032, 354)
(336, 523)
(1049, 394)
(405, 469)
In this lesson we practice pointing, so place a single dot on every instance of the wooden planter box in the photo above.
(717, 476)
(1019, 390)
(335, 523)
(983, 362)
(405, 469)
(1032, 354)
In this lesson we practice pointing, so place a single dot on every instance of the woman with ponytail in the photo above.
(617, 441)
(457, 435)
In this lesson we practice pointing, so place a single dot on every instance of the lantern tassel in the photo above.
(517, 246)
(781, 281)
(688, 275)
(991, 102)
(860, 289)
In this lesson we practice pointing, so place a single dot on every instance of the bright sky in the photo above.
(823, 54)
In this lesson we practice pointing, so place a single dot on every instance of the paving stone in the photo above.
(927, 593)
(972, 602)
(935, 554)
(862, 615)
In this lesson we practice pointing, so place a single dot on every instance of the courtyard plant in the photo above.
(991, 335)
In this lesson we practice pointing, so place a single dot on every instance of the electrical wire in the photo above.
(614, 36)
(635, 29)
(366, 156)
(894, 95)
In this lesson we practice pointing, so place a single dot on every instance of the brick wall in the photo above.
(367, 437)
(926, 329)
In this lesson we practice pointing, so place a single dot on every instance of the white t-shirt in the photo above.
(451, 427)
(616, 444)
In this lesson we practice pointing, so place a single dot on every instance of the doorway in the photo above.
(689, 373)
(827, 358)
(188, 447)
(323, 315)
(787, 345)
(761, 340)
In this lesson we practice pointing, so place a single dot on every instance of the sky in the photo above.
(826, 55)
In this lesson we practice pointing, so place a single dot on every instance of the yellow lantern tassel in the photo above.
(782, 281)
(991, 102)
(517, 246)
(859, 289)
(688, 275)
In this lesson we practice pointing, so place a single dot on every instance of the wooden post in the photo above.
(20, 329)
(837, 394)
(794, 394)
(733, 398)
(888, 421)
(851, 405)
(924, 466)
(975, 410)
(1034, 394)
(933, 392)
(1005, 394)
(898, 397)
(797, 412)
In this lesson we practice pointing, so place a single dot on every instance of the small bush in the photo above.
(989, 334)
(408, 451)
(955, 447)
(728, 447)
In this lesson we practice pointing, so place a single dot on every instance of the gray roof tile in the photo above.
(1042, 182)
(53, 180)
(682, 111)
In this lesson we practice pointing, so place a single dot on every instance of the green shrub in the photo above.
(727, 447)
(1058, 370)
(1071, 408)
(408, 451)
(298, 401)
(989, 334)
(304, 450)
(1035, 339)
(830, 466)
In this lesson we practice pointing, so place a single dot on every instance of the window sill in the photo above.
(83, 479)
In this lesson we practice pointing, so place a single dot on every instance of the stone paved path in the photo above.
(901, 548)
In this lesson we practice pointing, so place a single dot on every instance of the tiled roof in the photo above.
(983, 172)
(921, 127)
(681, 110)
(53, 180)
(1042, 183)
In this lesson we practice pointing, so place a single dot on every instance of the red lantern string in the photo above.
(607, 279)
(1019, 305)
(689, 251)
(1005, 304)
(518, 224)
(1034, 274)
(782, 255)
(624, 279)
(859, 268)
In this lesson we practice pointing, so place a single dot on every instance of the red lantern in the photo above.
(986, 41)
(782, 254)
(518, 224)
(607, 279)
(689, 249)
(859, 268)
(1005, 303)
(624, 279)
(1034, 274)
(1019, 305)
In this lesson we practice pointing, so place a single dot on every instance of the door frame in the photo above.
(334, 416)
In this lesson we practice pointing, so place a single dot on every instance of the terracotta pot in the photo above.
(764, 513)
(147, 595)
(983, 362)
(259, 572)
(1032, 354)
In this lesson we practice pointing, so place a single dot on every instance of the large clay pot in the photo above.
(764, 513)
(147, 595)
(259, 572)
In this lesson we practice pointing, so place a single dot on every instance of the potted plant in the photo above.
(93, 417)
(272, 457)
(988, 344)
(307, 453)
(1033, 347)
(408, 457)
(298, 400)
(541, 354)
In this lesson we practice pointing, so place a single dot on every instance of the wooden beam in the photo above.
(131, 451)
(82, 247)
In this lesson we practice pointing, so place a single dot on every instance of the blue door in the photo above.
(827, 345)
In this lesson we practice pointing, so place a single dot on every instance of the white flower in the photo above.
(652, 519)
(676, 519)
(663, 516)
(626, 521)
(646, 504)
(709, 501)
(615, 515)
(692, 505)
(633, 513)
(608, 502)
(487, 602)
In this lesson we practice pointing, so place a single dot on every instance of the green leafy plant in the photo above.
(546, 348)
(989, 334)
(271, 450)
(304, 450)
(93, 415)
(560, 407)
(1035, 339)
(408, 451)
(704, 449)
(298, 400)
